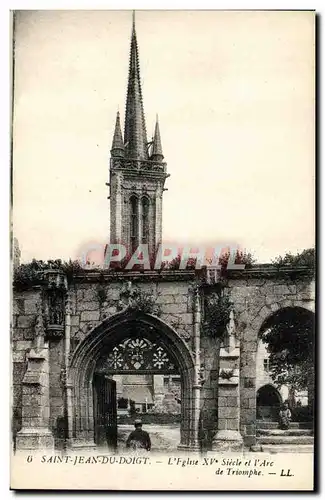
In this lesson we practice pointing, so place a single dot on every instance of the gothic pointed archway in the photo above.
(106, 344)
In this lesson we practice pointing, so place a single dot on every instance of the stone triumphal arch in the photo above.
(133, 343)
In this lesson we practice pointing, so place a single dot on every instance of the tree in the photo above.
(306, 258)
(289, 336)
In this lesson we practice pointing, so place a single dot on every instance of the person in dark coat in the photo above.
(285, 416)
(138, 438)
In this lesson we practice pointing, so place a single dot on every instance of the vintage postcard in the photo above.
(163, 234)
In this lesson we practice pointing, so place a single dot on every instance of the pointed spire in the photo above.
(157, 153)
(135, 135)
(117, 144)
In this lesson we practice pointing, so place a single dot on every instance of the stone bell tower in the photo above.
(137, 170)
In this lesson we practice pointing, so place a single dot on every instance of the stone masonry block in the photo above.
(222, 424)
(232, 401)
(247, 393)
(90, 294)
(250, 346)
(56, 389)
(181, 299)
(232, 424)
(74, 330)
(227, 391)
(252, 402)
(244, 403)
(186, 318)
(33, 411)
(75, 320)
(88, 306)
(113, 293)
(265, 311)
(173, 289)
(248, 371)
(249, 441)
(26, 321)
(222, 401)
(281, 290)
(250, 429)
(18, 306)
(174, 308)
(90, 316)
(18, 356)
(28, 390)
(165, 299)
(18, 333)
(29, 333)
(22, 345)
(227, 412)
(249, 416)
(31, 305)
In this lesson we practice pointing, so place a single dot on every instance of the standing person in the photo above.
(285, 416)
(138, 438)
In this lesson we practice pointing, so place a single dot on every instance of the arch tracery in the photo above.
(164, 347)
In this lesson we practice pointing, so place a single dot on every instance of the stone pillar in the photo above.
(35, 432)
(118, 210)
(197, 387)
(158, 221)
(67, 385)
(140, 229)
(228, 437)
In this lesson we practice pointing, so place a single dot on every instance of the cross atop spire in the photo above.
(135, 135)
(133, 20)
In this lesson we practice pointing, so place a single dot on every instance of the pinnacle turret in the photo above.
(157, 153)
(117, 144)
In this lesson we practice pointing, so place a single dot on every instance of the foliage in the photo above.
(70, 268)
(242, 257)
(26, 275)
(122, 403)
(302, 413)
(132, 410)
(32, 273)
(217, 311)
(139, 300)
(290, 340)
(175, 263)
(146, 302)
(306, 258)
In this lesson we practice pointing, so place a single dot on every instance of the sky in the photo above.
(234, 91)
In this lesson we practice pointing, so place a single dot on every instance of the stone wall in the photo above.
(88, 310)
(22, 334)
(94, 300)
(254, 301)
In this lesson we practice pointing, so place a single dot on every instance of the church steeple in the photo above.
(156, 154)
(136, 180)
(135, 135)
(117, 144)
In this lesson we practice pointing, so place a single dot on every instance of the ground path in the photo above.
(163, 437)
